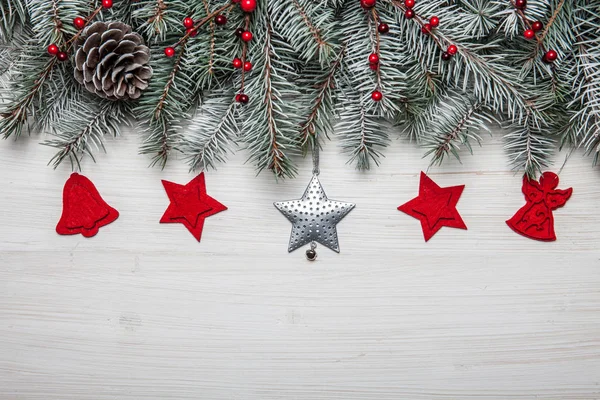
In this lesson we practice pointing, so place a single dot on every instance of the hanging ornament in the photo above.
(190, 205)
(535, 220)
(84, 210)
(435, 207)
(112, 61)
(314, 217)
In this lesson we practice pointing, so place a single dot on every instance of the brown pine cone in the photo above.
(112, 61)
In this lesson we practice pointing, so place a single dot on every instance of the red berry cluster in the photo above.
(246, 36)
(79, 23)
(533, 27)
(382, 28)
(192, 30)
(428, 27)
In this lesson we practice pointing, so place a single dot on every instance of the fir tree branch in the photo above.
(269, 122)
(313, 29)
(17, 112)
(528, 147)
(456, 124)
(211, 59)
(160, 105)
(551, 20)
(81, 129)
(322, 99)
(211, 133)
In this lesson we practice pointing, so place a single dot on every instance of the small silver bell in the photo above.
(311, 254)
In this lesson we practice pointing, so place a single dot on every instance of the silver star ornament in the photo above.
(314, 217)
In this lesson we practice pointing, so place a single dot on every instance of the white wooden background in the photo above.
(142, 311)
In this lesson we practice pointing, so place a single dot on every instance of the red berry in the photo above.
(192, 32)
(376, 95)
(237, 63)
(537, 26)
(79, 23)
(169, 52)
(452, 49)
(426, 29)
(237, 97)
(238, 32)
(62, 56)
(368, 3)
(220, 19)
(550, 56)
(188, 22)
(409, 3)
(248, 5)
(521, 4)
(529, 34)
(246, 36)
(446, 56)
(383, 28)
(373, 59)
(247, 66)
(434, 21)
(243, 98)
(107, 3)
(409, 14)
(53, 49)
(374, 67)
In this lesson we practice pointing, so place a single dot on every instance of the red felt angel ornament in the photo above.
(535, 220)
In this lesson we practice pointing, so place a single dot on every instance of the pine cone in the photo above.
(112, 61)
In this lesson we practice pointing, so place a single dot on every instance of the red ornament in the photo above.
(84, 210)
(550, 56)
(243, 98)
(368, 3)
(383, 28)
(188, 22)
(247, 36)
(529, 34)
(537, 26)
(446, 56)
(376, 95)
(374, 67)
(409, 3)
(452, 49)
(535, 220)
(62, 56)
(169, 52)
(220, 19)
(426, 29)
(434, 21)
(435, 207)
(79, 23)
(409, 14)
(238, 32)
(192, 32)
(107, 3)
(190, 205)
(53, 49)
(373, 58)
(248, 5)
(247, 66)
(237, 63)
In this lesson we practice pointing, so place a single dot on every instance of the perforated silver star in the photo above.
(314, 217)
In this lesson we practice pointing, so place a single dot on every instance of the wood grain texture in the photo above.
(142, 311)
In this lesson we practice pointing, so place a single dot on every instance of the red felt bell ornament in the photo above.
(84, 210)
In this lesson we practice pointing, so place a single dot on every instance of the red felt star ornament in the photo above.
(435, 207)
(190, 205)
(84, 210)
